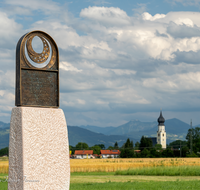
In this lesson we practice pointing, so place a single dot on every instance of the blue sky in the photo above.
(119, 60)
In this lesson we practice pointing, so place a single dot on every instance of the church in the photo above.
(161, 134)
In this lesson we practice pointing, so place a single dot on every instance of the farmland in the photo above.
(112, 165)
(123, 173)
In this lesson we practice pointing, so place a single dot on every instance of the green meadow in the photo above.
(122, 180)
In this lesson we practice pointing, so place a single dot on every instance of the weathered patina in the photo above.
(38, 87)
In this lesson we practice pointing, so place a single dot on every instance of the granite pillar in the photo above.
(38, 150)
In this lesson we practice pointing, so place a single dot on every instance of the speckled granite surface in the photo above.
(39, 150)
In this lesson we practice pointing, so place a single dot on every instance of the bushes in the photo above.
(4, 151)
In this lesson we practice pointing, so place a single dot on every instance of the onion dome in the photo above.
(161, 119)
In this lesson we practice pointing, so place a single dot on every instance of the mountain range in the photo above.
(175, 129)
(134, 129)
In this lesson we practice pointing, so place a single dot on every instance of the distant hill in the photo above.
(134, 129)
(175, 129)
(77, 134)
(104, 130)
(4, 135)
(4, 125)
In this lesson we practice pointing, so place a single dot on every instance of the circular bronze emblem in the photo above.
(46, 58)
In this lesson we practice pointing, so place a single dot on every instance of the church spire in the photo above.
(161, 119)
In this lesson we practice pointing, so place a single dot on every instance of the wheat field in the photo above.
(112, 165)
(4, 166)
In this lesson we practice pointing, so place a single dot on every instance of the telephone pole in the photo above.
(191, 137)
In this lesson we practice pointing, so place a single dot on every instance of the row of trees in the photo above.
(84, 146)
(4, 151)
(176, 148)
(190, 147)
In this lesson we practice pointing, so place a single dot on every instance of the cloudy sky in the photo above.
(119, 60)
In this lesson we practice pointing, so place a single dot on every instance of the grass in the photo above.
(163, 171)
(152, 185)
(110, 181)
(3, 184)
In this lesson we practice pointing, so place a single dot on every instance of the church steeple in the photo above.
(161, 133)
(161, 119)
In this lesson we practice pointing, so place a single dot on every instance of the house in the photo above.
(80, 154)
(110, 153)
(96, 155)
(137, 151)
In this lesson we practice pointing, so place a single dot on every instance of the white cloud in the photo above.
(106, 15)
(9, 30)
(147, 16)
(186, 21)
(175, 83)
(186, 2)
(68, 67)
(111, 64)
(81, 101)
(47, 6)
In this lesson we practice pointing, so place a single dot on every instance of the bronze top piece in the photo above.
(37, 74)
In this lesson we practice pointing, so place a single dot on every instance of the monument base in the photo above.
(38, 150)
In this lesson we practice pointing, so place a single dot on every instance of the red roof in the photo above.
(137, 151)
(96, 155)
(110, 152)
(83, 152)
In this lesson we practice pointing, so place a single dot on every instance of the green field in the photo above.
(163, 171)
(110, 181)
(150, 185)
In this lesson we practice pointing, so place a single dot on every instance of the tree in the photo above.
(82, 146)
(96, 149)
(155, 153)
(71, 148)
(127, 150)
(137, 144)
(111, 148)
(158, 147)
(195, 139)
(168, 152)
(145, 143)
(100, 145)
(127, 153)
(177, 144)
(131, 144)
(145, 153)
(4, 151)
(128, 144)
(116, 146)
(184, 151)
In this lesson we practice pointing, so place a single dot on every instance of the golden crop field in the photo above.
(3, 167)
(112, 165)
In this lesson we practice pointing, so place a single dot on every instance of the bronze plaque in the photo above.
(37, 85)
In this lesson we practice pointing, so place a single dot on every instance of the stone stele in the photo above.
(39, 150)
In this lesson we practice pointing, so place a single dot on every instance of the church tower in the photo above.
(161, 134)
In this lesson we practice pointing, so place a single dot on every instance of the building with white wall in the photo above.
(161, 133)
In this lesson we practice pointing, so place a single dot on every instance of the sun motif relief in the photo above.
(38, 57)
(43, 60)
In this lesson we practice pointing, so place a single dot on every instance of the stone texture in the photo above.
(39, 150)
